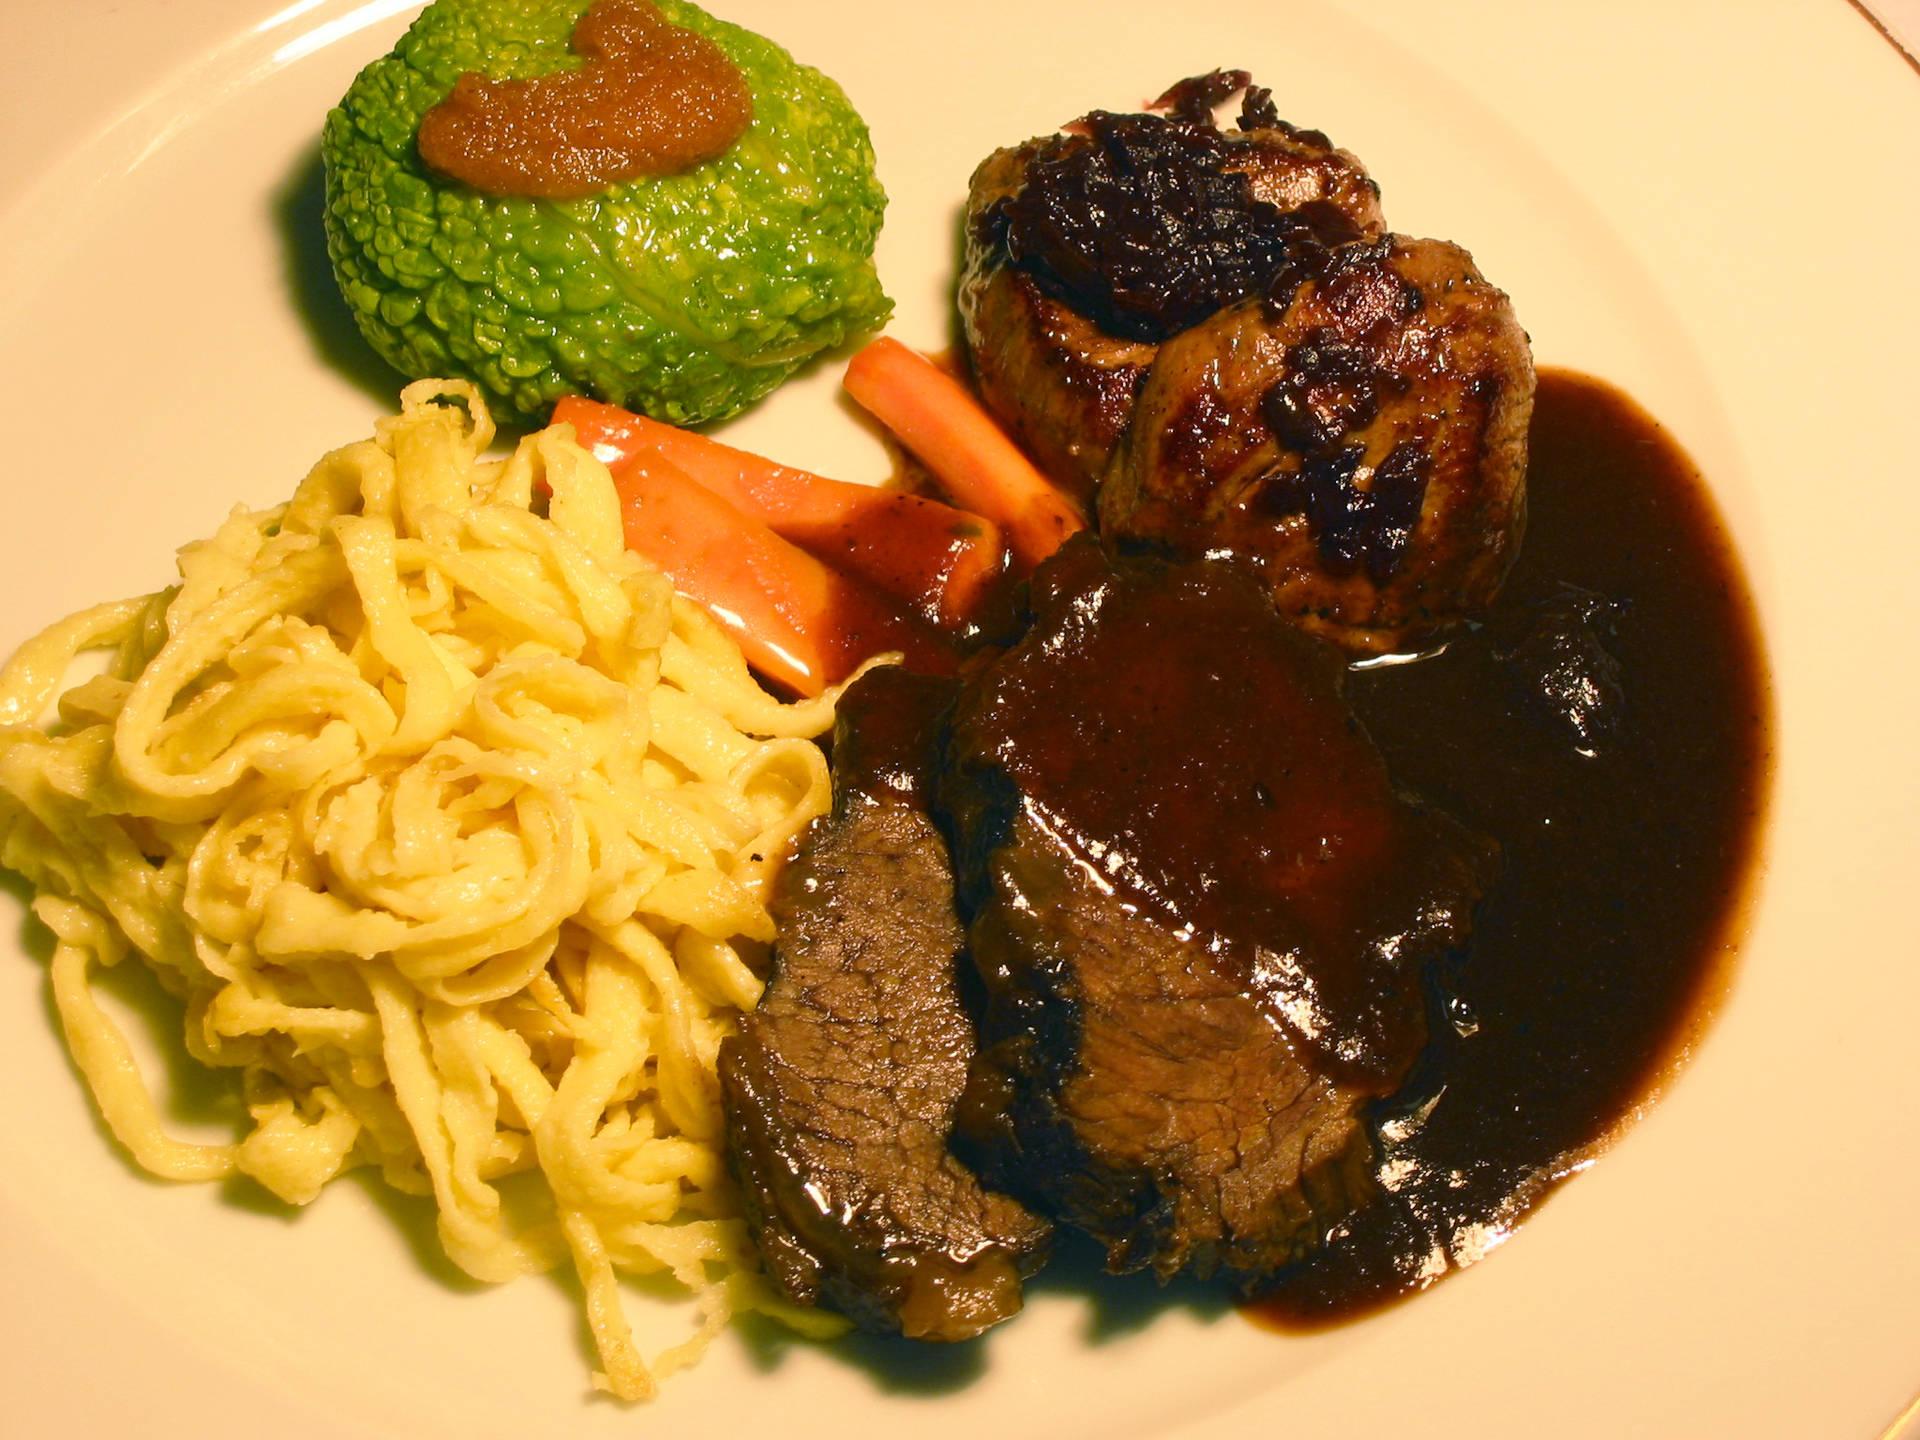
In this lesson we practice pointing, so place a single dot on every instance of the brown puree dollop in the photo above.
(651, 99)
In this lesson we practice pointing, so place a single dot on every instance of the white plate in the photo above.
(1713, 206)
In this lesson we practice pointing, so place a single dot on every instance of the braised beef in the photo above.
(841, 1085)
(1199, 911)
(1204, 932)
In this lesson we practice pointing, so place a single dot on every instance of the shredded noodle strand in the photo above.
(452, 827)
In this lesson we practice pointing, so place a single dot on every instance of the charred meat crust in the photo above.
(1212, 334)
(1147, 225)
(1060, 379)
(1061, 386)
(1363, 442)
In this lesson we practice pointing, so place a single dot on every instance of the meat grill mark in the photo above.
(1355, 529)
(1364, 446)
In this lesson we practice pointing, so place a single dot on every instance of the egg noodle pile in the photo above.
(452, 827)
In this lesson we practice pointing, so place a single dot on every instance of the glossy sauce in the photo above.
(650, 99)
(1164, 708)
(1606, 935)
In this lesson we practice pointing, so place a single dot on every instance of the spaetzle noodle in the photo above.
(452, 828)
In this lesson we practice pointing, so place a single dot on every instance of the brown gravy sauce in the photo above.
(651, 99)
(1610, 929)
(1172, 707)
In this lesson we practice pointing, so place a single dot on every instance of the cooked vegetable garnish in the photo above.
(799, 621)
(940, 560)
(933, 415)
(687, 295)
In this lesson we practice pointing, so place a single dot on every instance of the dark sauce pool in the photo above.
(1606, 938)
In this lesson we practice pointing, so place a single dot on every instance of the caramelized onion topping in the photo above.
(1148, 223)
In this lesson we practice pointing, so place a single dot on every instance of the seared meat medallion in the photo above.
(1213, 333)
(1364, 445)
(1084, 250)
(1061, 386)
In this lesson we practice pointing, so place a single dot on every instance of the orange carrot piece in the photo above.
(940, 560)
(936, 417)
(799, 622)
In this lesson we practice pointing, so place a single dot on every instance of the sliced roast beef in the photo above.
(1200, 914)
(841, 1086)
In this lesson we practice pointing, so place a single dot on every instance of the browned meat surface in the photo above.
(841, 1086)
(1362, 440)
(1138, 1096)
(1199, 911)
(1138, 224)
(1061, 386)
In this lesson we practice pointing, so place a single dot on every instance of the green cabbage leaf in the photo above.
(686, 296)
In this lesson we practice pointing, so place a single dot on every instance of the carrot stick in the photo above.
(940, 560)
(935, 417)
(799, 622)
